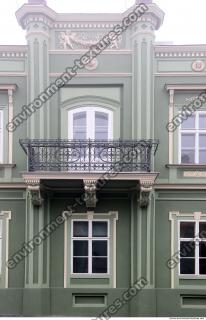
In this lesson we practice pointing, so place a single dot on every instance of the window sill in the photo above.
(89, 276)
(7, 165)
(192, 277)
(186, 166)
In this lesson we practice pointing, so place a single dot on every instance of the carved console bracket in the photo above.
(35, 192)
(90, 197)
(146, 188)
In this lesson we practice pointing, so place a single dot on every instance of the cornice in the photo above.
(180, 51)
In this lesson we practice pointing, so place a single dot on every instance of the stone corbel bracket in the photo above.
(146, 187)
(33, 187)
(90, 197)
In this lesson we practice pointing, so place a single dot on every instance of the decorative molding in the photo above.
(90, 193)
(146, 188)
(198, 66)
(185, 87)
(70, 40)
(185, 54)
(13, 54)
(194, 174)
(33, 187)
(86, 25)
(95, 74)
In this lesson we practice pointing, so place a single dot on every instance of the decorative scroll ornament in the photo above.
(144, 198)
(90, 193)
(73, 40)
(35, 193)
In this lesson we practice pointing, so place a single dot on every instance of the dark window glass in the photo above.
(80, 229)
(99, 229)
(80, 265)
(80, 248)
(188, 156)
(187, 229)
(187, 249)
(202, 266)
(187, 266)
(202, 230)
(99, 248)
(202, 249)
(99, 265)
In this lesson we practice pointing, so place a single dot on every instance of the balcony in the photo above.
(89, 155)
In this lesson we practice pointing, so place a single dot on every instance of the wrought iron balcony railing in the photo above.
(89, 155)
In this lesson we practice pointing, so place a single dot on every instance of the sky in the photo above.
(184, 23)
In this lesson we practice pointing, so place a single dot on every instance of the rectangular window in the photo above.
(192, 247)
(193, 139)
(90, 245)
(1, 136)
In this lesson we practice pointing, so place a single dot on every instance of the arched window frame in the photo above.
(90, 119)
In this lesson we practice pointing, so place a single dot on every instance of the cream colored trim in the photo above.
(180, 74)
(171, 115)
(13, 186)
(10, 117)
(13, 74)
(88, 215)
(7, 216)
(65, 251)
(188, 87)
(82, 51)
(8, 87)
(190, 186)
(95, 74)
(195, 174)
(144, 177)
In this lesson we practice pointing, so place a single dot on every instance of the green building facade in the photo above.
(102, 167)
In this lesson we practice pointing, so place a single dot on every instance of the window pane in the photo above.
(202, 249)
(202, 230)
(80, 265)
(187, 229)
(187, 266)
(187, 249)
(80, 229)
(188, 156)
(101, 119)
(101, 135)
(99, 248)
(101, 125)
(202, 157)
(99, 265)
(99, 229)
(79, 135)
(189, 123)
(188, 141)
(80, 248)
(202, 121)
(79, 119)
(202, 266)
(202, 140)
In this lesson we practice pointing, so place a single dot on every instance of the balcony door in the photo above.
(90, 122)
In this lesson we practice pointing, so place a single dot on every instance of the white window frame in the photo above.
(90, 120)
(197, 240)
(90, 238)
(196, 131)
(1, 135)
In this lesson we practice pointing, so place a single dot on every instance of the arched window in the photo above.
(90, 122)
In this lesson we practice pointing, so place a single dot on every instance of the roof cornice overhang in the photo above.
(28, 9)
